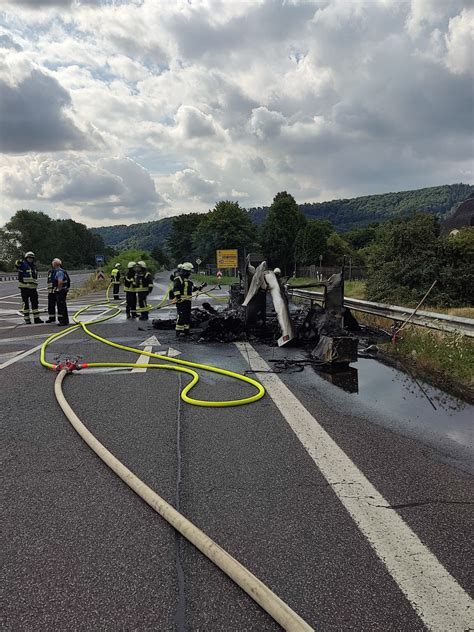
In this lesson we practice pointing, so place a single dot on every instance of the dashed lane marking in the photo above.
(434, 594)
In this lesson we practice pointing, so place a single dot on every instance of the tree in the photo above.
(180, 238)
(337, 248)
(227, 226)
(279, 230)
(71, 241)
(160, 257)
(29, 230)
(408, 255)
(311, 242)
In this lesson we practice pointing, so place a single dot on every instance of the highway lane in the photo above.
(83, 552)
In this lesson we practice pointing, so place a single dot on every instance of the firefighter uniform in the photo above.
(61, 285)
(130, 291)
(28, 285)
(144, 286)
(51, 297)
(182, 293)
(115, 279)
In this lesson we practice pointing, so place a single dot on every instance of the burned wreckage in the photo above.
(259, 310)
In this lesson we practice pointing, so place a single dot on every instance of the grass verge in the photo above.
(213, 280)
(445, 359)
(89, 286)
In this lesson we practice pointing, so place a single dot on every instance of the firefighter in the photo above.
(115, 280)
(144, 285)
(28, 285)
(182, 295)
(61, 285)
(51, 295)
(130, 290)
(176, 271)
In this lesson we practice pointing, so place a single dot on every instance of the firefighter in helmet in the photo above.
(28, 285)
(115, 280)
(144, 285)
(130, 290)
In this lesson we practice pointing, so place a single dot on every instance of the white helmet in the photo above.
(131, 264)
(30, 254)
(277, 271)
(57, 262)
(117, 265)
(142, 264)
(187, 266)
(179, 266)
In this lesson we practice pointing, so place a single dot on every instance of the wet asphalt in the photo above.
(82, 552)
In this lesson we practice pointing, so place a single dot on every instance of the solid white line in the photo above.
(434, 594)
(143, 359)
(18, 295)
(29, 352)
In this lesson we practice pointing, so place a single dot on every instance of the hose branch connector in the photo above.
(69, 366)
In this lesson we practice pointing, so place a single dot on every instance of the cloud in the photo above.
(106, 188)
(7, 41)
(219, 100)
(34, 119)
(459, 43)
(266, 124)
(192, 123)
(188, 183)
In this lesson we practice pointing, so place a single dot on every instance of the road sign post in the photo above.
(227, 258)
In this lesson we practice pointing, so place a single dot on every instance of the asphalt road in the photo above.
(80, 551)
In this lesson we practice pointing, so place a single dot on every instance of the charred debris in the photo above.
(259, 310)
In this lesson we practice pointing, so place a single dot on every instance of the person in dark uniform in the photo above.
(28, 285)
(182, 291)
(144, 285)
(130, 290)
(115, 280)
(51, 296)
(61, 285)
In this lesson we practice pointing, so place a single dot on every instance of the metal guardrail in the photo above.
(433, 320)
(13, 276)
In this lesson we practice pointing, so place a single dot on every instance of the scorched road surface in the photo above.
(82, 552)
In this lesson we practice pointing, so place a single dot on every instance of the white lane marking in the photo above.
(434, 594)
(18, 295)
(172, 353)
(10, 354)
(152, 340)
(143, 359)
(29, 352)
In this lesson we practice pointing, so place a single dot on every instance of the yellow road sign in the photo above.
(227, 258)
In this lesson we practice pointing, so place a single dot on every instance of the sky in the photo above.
(123, 111)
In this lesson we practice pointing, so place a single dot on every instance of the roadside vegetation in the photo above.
(89, 286)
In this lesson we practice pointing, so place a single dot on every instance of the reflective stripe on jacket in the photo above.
(27, 275)
(182, 288)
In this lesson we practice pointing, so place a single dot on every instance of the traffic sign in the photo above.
(227, 258)
(198, 261)
(99, 260)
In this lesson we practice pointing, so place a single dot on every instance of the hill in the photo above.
(343, 214)
(361, 211)
(144, 236)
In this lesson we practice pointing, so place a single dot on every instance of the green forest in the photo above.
(344, 215)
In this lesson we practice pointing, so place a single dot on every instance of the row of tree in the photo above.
(71, 241)
(285, 238)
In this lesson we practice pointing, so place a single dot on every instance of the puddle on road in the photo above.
(426, 407)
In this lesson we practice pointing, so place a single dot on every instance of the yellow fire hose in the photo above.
(260, 593)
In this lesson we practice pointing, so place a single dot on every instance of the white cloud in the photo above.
(460, 43)
(200, 102)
